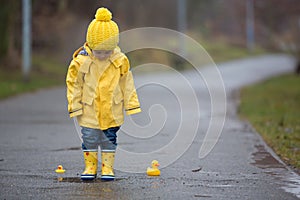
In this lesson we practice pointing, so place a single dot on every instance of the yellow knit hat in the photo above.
(102, 33)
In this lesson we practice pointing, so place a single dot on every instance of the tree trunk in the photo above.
(10, 12)
(4, 27)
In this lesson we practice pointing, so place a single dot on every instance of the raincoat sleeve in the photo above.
(74, 89)
(131, 102)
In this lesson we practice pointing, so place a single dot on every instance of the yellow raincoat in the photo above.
(98, 91)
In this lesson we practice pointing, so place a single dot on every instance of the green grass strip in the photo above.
(44, 73)
(273, 108)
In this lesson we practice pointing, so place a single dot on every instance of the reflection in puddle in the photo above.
(78, 180)
(68, 149)
(95, 189)
(292, 184)
(264, 160)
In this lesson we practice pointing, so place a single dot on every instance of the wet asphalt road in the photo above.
(37, 135)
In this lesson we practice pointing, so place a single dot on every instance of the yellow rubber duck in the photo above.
(153, 170)
(60, 169)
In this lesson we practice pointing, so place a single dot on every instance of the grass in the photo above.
(45, 73)
(221, 52)
(218, 51)
(273, 108)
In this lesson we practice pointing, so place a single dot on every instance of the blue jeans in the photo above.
(92, 138)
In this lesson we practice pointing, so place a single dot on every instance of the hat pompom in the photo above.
(103, 32)
(103, 14)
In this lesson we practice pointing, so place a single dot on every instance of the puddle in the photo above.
(202, 196)
(264, 160)
(68, 149)
(293, 185)
(78, 180)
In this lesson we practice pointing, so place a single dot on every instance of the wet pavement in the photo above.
(36, 136)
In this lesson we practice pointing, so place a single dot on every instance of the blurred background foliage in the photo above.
(59, 27)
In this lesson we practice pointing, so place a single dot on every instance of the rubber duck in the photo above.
(60, 169)
(153, 170)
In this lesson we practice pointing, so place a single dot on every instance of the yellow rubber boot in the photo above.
(91, 165)
(108, 159)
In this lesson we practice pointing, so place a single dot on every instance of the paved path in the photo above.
(36, 136)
